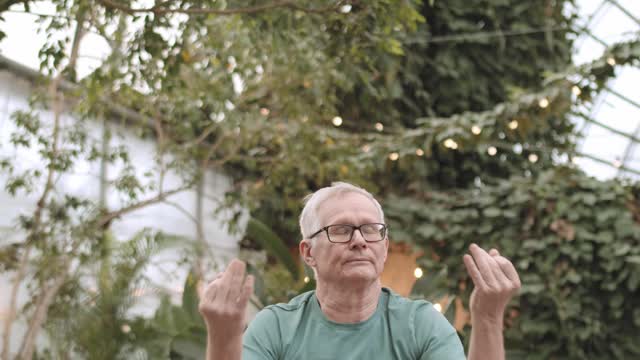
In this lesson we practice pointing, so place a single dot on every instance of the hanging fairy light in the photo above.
(576, 90)
(306, 280)
(264, 111)
(419, 152)
(394, 156)
(451, 144)
(533, 158)
(492, 150)
(513, 124)
(476, 130)
(418, 273)
(345, 8)
(379, 126)
(611, 61)
(543, 103)
(337, 121)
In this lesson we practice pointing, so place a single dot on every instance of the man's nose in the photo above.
(357, 240)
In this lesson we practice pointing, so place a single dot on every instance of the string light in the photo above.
(451, 144)
(513, 124)
(492, 150)
(533, 158)
(337, 121)
(125, 328)
(419, 152)
(543, 103)
(306, 279)
(418, 273)
(379, 126)
(438, 307)
(366, 148)
(576, 90)
(345, 8)
(476, 130)
(394, 156)
(264, 111)
(611, 61)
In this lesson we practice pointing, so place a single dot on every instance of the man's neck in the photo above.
(345, 303)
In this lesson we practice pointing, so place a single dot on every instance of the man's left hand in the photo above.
(495, 280)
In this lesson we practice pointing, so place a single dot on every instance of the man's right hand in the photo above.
(224, 301)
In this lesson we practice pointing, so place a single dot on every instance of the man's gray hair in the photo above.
(309, 221)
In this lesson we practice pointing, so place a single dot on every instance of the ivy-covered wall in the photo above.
(575, 241)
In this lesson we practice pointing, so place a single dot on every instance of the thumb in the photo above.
(247, 290)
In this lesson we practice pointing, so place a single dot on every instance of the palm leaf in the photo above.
(273, 244)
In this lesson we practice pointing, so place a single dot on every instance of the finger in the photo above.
(509, 270)
(483, 261)
(210, 292)
(247, 290)
(494, 252)
(472, 270)
(235, 280)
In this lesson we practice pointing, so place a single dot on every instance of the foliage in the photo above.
(91, 316)
(575, 241)
(253, 89)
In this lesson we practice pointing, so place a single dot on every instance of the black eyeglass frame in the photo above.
(353, 230)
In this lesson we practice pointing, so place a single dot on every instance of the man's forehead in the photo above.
(349, 205)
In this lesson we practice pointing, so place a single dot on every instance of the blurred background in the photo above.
(144, 144)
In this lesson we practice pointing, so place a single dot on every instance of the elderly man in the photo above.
(350, 315)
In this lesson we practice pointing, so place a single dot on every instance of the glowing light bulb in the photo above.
(394, 156)
(451, 144)
(611, 61)
(492, 150)
(345, 8)
(418, 273)
(533, 158)
(513, 124)
(543, 103)
(306, 280)
(379, 126)
(264, 111)
(476, 130)
(419, 152)
(337, 121)
(125, 328)
(576, 90)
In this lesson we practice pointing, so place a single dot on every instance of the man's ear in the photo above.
(306, 252)
(386, 249)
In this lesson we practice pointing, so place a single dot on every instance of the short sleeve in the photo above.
(435, 336)
(262, 339)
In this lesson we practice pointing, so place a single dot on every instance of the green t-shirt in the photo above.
(399, 329)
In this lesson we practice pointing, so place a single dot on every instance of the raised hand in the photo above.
(224, 301)
(495, 282)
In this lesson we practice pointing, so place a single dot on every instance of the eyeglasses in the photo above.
(343, 233)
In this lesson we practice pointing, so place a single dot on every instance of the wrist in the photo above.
(485, 321)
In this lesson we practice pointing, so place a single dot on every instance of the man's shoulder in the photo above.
(297, 303)
(409, 307)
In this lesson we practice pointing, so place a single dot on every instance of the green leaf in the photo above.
(272, 243)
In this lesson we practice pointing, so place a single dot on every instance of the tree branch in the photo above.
(287, 4)
(107, 218)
